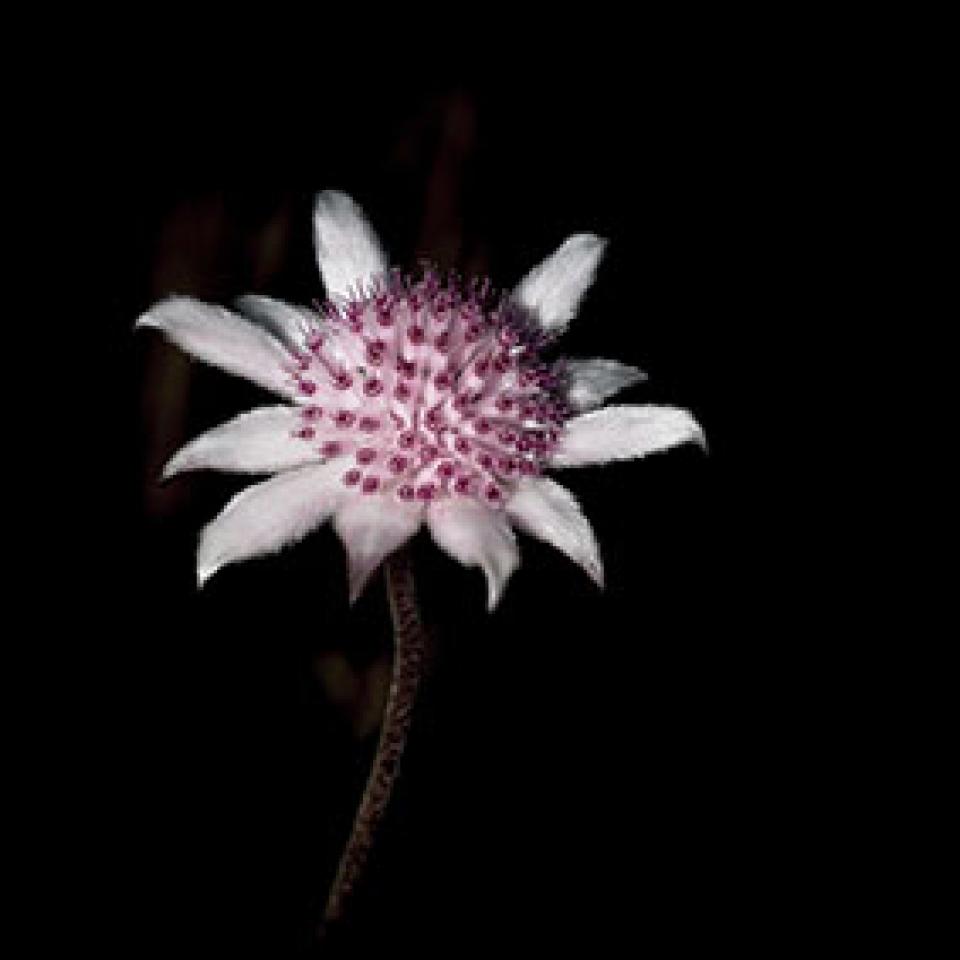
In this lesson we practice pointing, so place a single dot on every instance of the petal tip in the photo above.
(358, 576)
(171, 468)
(695, 432)
(204, 573)
(592, 246)
(331, 198)
(496, 587)
(156, 317)
(146, 321)
(594, 240)
(208, 561)
(353, 593)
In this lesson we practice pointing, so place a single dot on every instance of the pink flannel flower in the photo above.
(411, 401)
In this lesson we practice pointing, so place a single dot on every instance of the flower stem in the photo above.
(408, 663)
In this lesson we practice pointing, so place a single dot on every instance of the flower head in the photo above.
(411, 400)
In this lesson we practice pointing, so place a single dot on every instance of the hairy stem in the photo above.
(408, 662)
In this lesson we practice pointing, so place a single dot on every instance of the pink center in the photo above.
(438, 384)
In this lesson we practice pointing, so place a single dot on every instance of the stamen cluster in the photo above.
(434, 389)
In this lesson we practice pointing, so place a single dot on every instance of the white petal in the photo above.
(553, 290)
(592, 381)
(260, 441)
(371, 528)
(548, 511)
(285, 321)
(620, 433)
(267, 516)
(477, 537)
(219, 337)
(348, 251)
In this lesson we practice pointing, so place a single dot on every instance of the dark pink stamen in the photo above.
(426, 491)
(467, 439)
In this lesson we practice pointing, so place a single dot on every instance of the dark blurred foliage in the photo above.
(587, 771)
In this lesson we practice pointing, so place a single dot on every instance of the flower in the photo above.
(411, 400)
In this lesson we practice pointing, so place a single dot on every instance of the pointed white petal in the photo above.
(592, 381)
(553, 290)
(620, 433)
(287, 322)
(348, 251)
(219, 337)
(260, 441)
(477, 537)
(371, 528)
(550, 512)
(267, 516)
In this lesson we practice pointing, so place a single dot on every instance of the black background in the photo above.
(587, 771)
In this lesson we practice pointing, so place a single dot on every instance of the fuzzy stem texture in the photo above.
(408, 664)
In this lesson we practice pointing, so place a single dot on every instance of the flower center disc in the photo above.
(433, 389)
